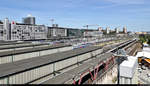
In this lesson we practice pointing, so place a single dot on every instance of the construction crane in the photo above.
(90, 25)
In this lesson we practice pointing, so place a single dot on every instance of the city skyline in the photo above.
(67, 13)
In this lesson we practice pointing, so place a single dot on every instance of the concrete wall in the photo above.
(125, 80)
(135, 77)
(30, 75)
(33, 74)
(46, 52)
(84, 57)
(65, 63)
(13, 58)
(97, 52)
(5, 59)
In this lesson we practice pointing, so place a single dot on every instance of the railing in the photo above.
(102, 73)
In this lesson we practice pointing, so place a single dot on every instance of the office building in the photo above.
(56, 32)
(124, 30)
(21, 31)
(4, 29)
(3, 35)
(100, 29)
(29, 20)
(117, 30)
(107, 30)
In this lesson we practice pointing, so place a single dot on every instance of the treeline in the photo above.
(145, 38)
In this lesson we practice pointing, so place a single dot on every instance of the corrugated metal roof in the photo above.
(30, 63)
(21, 46)
(41, 60)
(62, 78)
(78, 70)
(12, 42)
(7, 53)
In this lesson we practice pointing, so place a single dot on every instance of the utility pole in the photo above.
(118, 75)
(121, 56)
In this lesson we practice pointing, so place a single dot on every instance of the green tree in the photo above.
(145, 38)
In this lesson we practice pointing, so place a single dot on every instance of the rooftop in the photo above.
(31, 63)
(143, 53)
(128, 67)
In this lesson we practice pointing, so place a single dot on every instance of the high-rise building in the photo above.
(29, 20)
(124, 30)
(107, 30)
(6, 27)
(100, 29)
(117, 30)
(2, 31)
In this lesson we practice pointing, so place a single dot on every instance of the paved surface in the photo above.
(143, 78)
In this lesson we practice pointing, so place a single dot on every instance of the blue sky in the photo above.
(135, 14)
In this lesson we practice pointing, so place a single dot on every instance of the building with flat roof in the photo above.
(5, 29)
(117, 30)
(74, 32)
(56, 32)
(3, 35)
(125, 30)
(128, 71)
(29, 20)
(107, 30)
(21, 31)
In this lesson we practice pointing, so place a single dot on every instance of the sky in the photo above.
(134, 14)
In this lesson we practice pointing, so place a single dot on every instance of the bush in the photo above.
(145, 38)
(114, 79)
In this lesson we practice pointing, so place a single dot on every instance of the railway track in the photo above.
(107, 60)
(37, 69)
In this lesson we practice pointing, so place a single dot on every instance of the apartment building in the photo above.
(4, 29)
(21, 31)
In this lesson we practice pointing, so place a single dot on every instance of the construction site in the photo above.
(61, 63)
(74, 42)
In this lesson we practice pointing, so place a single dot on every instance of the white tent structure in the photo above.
(145, 52)
(146, 49)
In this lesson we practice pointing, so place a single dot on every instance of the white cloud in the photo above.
(127, 1)
(115, 3)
